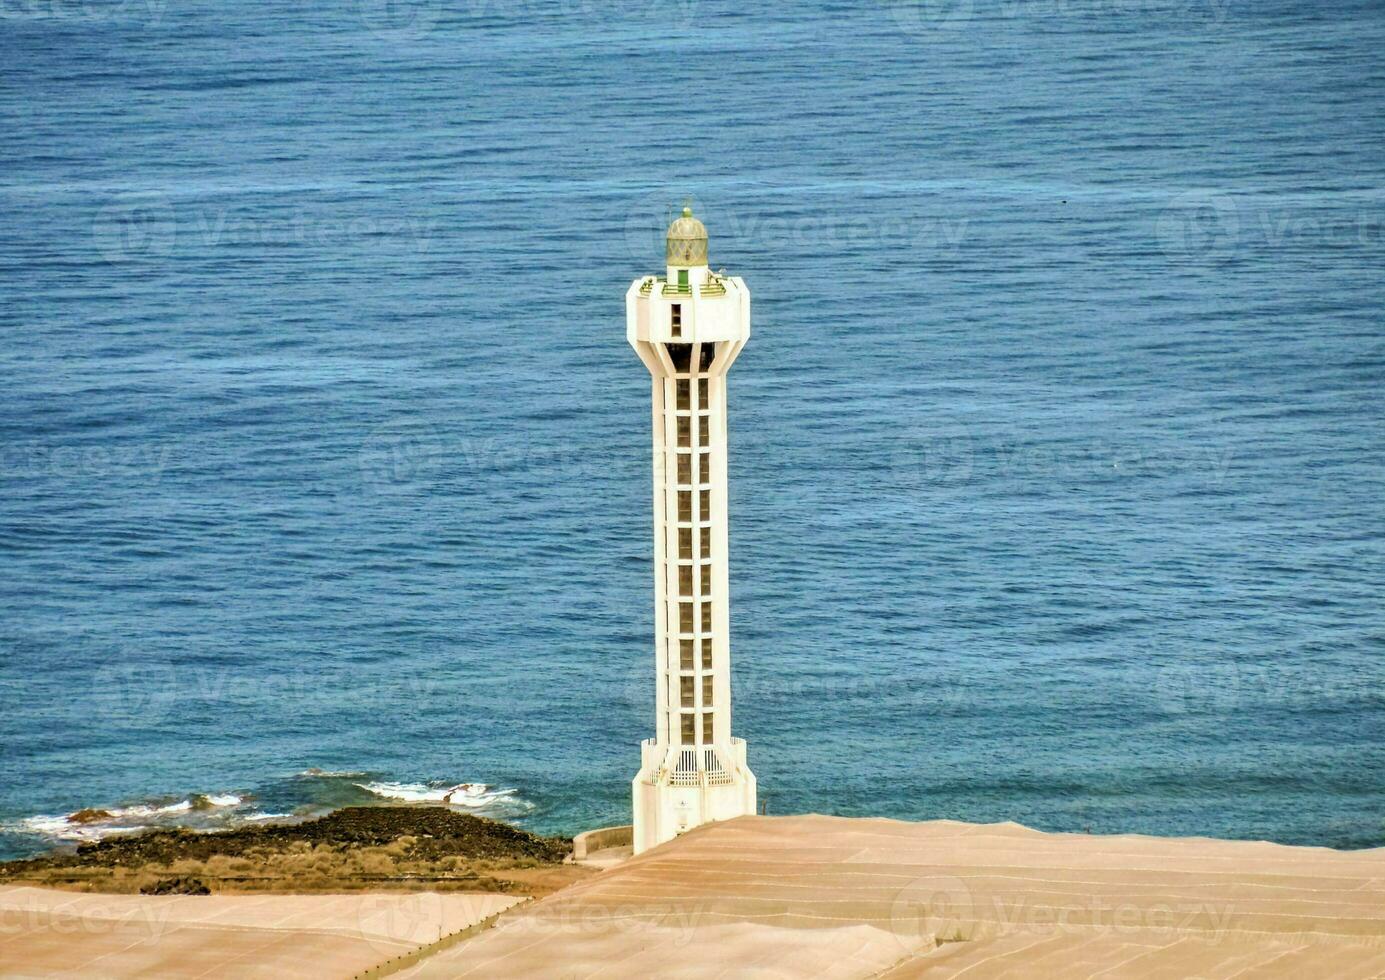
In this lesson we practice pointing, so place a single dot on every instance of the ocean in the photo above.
(1057, 463)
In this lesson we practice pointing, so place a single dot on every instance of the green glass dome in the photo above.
(687, 241)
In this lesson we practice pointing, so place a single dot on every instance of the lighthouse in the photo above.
(688, 327)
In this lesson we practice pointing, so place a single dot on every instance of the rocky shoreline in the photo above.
(349, 849)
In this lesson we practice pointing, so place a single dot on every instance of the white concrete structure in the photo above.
(688, 328)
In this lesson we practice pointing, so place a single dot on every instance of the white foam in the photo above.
(476, 800)
(61, 828)
(121, 812)
(50, 826)
(408, 792)
(471, 795)
(189, 812)
(117, 820)
(148, 810)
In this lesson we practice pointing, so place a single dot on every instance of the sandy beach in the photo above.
(780, 897)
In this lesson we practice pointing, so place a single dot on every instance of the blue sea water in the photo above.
(1057, 457)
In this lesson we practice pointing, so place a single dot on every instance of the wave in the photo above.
(61, 828)
(226, 799)
(313, 792)
(148, 810)
(96, 823)
(198, 801)
(473, 796)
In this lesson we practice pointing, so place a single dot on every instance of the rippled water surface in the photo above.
(1058, 454)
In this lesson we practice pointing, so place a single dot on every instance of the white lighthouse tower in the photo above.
(688, 329)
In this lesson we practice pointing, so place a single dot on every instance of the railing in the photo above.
(690, 770)
(716, 775)
(712, 287)
(685, 773)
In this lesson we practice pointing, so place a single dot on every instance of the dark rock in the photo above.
(176, 886)
(88, 816)
(437, 833)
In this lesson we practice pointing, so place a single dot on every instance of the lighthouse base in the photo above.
(680, 788)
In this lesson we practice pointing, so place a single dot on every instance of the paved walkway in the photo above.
(781, 897)
(48, 933)
(790, 897)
